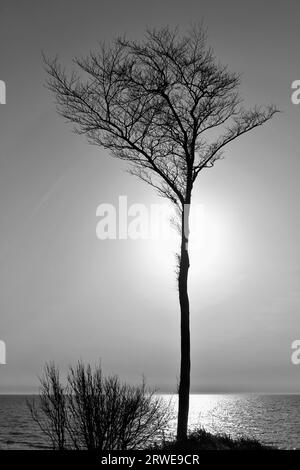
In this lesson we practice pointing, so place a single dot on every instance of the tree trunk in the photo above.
(185, 364)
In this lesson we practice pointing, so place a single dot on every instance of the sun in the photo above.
(208, 240)
(207, 236)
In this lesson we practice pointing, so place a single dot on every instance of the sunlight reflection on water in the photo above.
(272, 419)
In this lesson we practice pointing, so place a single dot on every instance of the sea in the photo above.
(272, 419)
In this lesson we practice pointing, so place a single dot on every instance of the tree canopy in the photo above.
(156, 104)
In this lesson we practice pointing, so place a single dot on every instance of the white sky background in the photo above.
(66, 295)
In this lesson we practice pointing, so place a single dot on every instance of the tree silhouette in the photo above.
(158, 104)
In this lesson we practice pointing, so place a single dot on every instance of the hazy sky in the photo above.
(65, 295)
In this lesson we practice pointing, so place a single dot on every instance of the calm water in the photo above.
(273, 419)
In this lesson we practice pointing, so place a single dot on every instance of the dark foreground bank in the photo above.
(200, 439)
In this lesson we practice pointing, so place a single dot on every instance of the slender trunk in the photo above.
(185, 364)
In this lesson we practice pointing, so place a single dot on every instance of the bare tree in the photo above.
(159, 104)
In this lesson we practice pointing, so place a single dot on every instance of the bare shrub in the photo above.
(50, 411)
(98, 413)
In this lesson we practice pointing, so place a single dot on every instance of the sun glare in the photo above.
(208, 245)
